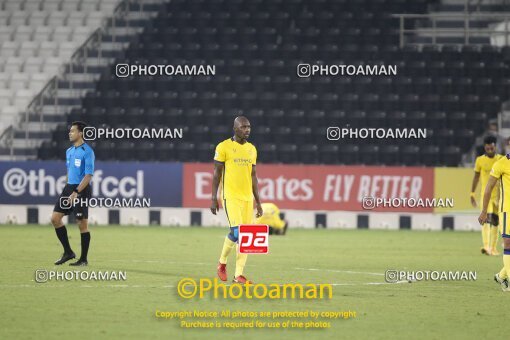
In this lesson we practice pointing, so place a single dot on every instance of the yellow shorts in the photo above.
(272, 221)
(238, 212)
(493, 207)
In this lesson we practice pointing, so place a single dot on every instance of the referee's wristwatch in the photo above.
(76, 191)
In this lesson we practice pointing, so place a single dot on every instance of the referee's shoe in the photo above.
(79, 263)
(65, 257)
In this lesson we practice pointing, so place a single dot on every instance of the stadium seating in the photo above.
(256, 45)
(37, 38)
(451, 22)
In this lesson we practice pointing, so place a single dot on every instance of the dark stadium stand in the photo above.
(256, 45)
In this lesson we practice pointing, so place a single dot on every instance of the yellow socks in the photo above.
(227, 248)
(228, 245)
(241, 262)
(502, 273)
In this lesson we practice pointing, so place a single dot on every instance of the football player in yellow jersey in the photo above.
(500, 171)
(271, 217)
(483, 166)
(234, 163)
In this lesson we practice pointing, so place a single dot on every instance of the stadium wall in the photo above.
(182, 217)
(311, 196)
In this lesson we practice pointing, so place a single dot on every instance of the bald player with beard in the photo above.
(234, 163)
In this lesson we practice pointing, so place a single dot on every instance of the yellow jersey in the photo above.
(239, 160)
(271, 216)
(270, 210)
(501, 171)
(483, 165)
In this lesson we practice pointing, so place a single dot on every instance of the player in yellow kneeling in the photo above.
(271, 217)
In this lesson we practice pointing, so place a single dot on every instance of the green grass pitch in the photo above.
(156, 258)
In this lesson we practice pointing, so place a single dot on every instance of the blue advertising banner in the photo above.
(41, 182)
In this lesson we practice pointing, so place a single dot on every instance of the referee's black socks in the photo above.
(62, 236)
(85, 241)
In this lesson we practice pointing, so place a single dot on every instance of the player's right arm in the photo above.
(218, 171)
(476, 178)
(219, 165)
(474, 183)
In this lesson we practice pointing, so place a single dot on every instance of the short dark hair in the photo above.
(79, 124)
(490, 140)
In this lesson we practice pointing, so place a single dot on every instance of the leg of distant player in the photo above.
(85, 242)
(277, 226)
(61, 231)
(493, 222)
(493, 243)
(280, 225)
(493, 236)
(285, 227)
(486, 227)
(276, 231)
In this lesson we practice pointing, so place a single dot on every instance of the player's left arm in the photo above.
(255, 189)
(84, 182)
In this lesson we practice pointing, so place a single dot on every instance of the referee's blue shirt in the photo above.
(79, 162)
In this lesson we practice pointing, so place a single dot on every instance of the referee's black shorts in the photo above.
(80, 211)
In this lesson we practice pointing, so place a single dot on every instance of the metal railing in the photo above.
(79, 57)
(37, 103)
(467, 31)
(478, 3)
(8, 137)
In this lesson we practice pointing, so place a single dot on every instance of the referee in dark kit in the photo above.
(80, 168)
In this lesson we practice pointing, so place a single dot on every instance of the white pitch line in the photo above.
(385, 283)
(165, 262)
(340, 271)
(46, 285)
(367, 283)
(211, 264)
(82, 286)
